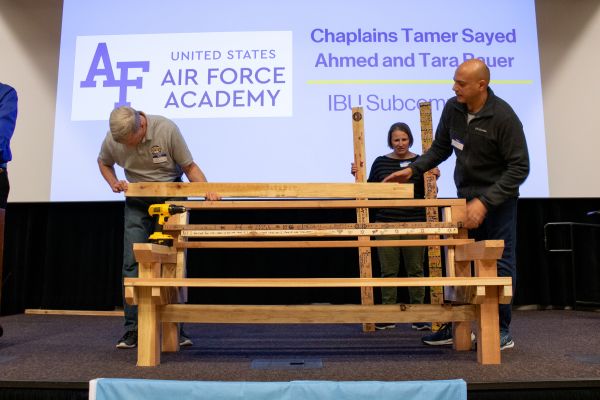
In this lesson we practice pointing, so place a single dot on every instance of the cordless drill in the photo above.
(163, 212)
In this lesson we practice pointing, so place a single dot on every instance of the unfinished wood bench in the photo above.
(160, 289)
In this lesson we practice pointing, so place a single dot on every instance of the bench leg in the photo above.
(461, 334)
(461, 330)
(488, 329)
(488, 323)
(170, 336)
(148, 330)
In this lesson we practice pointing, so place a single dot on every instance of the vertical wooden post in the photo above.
(170, 330)
(449, 251)
(488, 322)
(148, 325)
(461, 329)
(431, 213)
(362, 214)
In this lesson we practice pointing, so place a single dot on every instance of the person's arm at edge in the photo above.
(8, 112)
(8, 115)
(194, 174)
(110, 176)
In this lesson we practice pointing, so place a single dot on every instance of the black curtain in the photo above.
(549, 278)
(62, 256)
(68, 256)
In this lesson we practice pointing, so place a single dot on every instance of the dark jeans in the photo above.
(138, 226)
(4, 187)
(501, 223)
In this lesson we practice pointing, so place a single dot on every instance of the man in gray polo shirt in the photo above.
(149, 148)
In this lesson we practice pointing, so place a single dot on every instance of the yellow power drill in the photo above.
(163, 212)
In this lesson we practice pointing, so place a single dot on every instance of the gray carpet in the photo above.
(550, 346)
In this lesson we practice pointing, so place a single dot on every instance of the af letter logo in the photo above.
(101, 66)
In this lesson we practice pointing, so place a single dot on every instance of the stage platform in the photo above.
(557, 353)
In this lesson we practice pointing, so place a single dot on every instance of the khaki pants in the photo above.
(389, 258)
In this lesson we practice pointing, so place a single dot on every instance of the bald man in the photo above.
(492, 162)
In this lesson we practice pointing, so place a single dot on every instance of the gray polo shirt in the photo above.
(158, 158)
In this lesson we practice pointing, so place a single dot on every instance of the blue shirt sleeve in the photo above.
(8, 120)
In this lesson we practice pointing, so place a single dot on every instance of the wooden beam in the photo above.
(313, 204)
(482, 250)
(321, 314)
(271, 190)
(459, 214)
(434, 253)
(130, 295)
(317, 282)
(332, 226)
(201, 233)
(318, 244)
(477, 295)
(154, 253)
(170, 330)
(362, 213)
(505, 295)
(461, 335)
(43, 311)
(488, 329)
(447, 215)
(149, 326)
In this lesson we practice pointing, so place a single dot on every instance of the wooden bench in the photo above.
(160, 289)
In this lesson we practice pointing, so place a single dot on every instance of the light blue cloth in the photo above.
(132, 389)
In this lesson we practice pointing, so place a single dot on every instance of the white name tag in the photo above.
(158, 160)
(458, 144)
(404, 164)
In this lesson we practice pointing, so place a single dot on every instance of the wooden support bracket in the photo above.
(154, 253)
(506, 294)
(481, 250)
(130, 295)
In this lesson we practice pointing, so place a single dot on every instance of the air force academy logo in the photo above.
(102, 67)
(184, 75)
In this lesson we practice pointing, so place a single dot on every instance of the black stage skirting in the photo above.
(557, 355)
(68, 256)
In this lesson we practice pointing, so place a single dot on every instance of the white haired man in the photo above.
(149, 148)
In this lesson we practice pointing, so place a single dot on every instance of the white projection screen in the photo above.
(262, 89)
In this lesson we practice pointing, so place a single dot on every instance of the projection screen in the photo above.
(262, 90)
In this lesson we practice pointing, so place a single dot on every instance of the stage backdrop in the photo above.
(262, 90)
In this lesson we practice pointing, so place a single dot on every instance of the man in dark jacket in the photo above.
(492, 162)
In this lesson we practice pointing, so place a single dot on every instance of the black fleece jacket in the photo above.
(491, 152)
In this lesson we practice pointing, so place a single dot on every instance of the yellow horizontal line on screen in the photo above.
(410, 82)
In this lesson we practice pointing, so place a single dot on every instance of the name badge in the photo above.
(404, 164)
(158, 155)
(457, 144)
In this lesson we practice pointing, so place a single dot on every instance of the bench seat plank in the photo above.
(317, 282)
(314, 313)
(271, 190)
(318, 243)
(314, 204)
